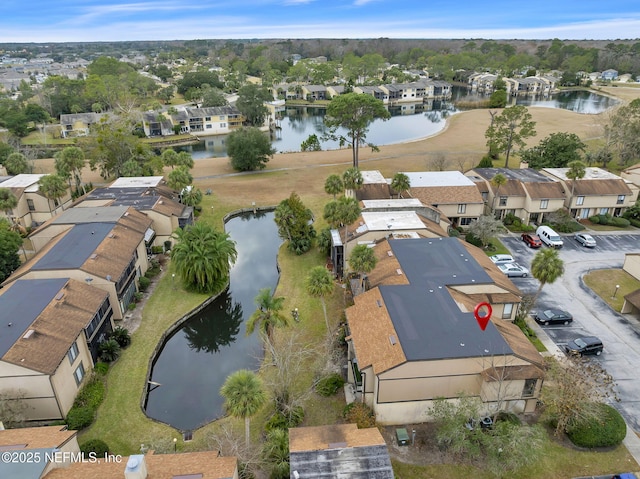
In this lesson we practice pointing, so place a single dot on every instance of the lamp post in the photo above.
(175, 444)
(173, 280)
(295, 314)
(616, 291)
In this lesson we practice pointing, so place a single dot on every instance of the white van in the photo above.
(549, 237)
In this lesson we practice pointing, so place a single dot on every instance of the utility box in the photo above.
(402, 436)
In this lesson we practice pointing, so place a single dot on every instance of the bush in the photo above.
(157, 250)
(361, 414)
(80, 417)
(454, 233)
(511, 219)
(143, 283)
(609, 430)
(109, 350)
(635, 222)
(99, 447)
(101, 368)
(329, 385)
(473, 239)
(486, 162)
(122, 336)
(91, 394)
(280, 420)
(620, 222)
(594, 219)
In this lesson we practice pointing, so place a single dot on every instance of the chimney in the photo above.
(136, 467)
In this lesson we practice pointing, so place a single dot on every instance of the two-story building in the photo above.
(73, 125)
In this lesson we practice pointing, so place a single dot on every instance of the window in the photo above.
(579, 200)
(529, 388)
(466, 221)
(223, 125)
(462, 209)
(79, 374)
(620, 200)
(584, 213)
(485, 195)
(73, 353)
(207, 118)
(221, 118)
(604, 211)
(507, 310)
(31, 206)
(544, 204)
(209, 127)
(503, 201)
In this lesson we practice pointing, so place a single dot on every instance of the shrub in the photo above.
(137, 296)
(511, 219)
(329, 385)
(280, 420)
(594, 219)
(609, 430)
(361, 414)
(619, 222)
(101, 368)
(98, 446)
(143, 283)
(91, 394)
(157, 250)
(109, 350)
(122, 336)
(486, 162)
(454, 233)
(80, 417)
(473, 239)
(635, 222)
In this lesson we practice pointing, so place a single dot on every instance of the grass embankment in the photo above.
(603, 282)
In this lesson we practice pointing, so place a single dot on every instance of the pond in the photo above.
(408, 122)
(195, 361)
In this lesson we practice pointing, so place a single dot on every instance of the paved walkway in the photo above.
(631, 441)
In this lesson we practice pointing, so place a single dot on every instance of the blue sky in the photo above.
(104, 20)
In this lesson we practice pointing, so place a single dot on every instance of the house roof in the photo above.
(35, 437)
(421, 313)
(341, 450)
(142, 198)
(94, 214)
(57, 327)
(22, 181)
(540, 190)
(602, 187)
(137, 182)
(190, 465)
(443, 187)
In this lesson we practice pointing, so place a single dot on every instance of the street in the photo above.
(592, 317)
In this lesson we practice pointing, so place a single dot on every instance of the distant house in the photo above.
(156, 124)
(213, 120)
(77, 124)
(631, 174)
(314, 92)
(51, 331)
(609, 75)
(413, 337)
(109, 255)
(336, 451)
(33, 207)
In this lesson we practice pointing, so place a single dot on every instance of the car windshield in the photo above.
(580, 343)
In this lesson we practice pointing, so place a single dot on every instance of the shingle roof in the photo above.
(540, 190)
(316, 438)
(36, 437)
(603, 187)
(442, 195)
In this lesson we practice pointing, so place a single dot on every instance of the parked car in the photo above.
(585, 240)
(553, 316)
(513, 269)
(501, 258)
(533, 241)
(584, 345)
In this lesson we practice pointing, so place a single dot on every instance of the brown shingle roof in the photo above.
(319, 437)
(441, 195)
(374, 191)
(510, 188)
(36, 437)
(168, 207)
(512, 372)
(519, 343)
(540, 189)
(371, 329)
(159, 466)
(56, 328)
(599, 187)
(386, 270)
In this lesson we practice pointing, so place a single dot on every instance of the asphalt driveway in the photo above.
(619, 333)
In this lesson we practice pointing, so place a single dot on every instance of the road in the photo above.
(619, 333)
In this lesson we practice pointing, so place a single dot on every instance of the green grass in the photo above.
(496, 247)
(599, 227)
(603, 282)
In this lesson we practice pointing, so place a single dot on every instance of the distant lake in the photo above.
(410, 121)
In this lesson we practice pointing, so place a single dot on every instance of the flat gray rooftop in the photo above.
(140, 198)
(428, 321)
(522, 174)
(21, 304)
(93, 214)
(75, 247)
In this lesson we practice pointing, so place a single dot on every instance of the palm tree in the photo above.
(179, 178)
(267, 316)
(203, 257)
(546, 267)
(244, 396)
(170, 157)
(497, 181)
(53, 187)
(400, 183)
(362, 260)
(8, 201)
(576, 171)
(319, 285)
(352, 179)
(334, 185)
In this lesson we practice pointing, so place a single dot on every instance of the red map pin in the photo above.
(483, 320)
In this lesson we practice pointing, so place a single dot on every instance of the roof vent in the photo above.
(108, 278)
(59, 295)
(93, 256)
(28, 334)
(462, 344)
(399, 271)
(336, 445)
(379, 303)
(126, 213)
(392, 340)
(389, 253)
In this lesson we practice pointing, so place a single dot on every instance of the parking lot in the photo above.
(592, 317)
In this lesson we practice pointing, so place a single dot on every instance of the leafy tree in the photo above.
(276, 453)
(170, 157)
(354, 113)
(8, 201)
(342, 211)
(213, 97)
(485, 228)
(294, 219)
(555, 151)
(131, 168)
(311, 144)
(333, 185)
(185, 159)
(400, 183)
(267, 317)
(497, 181)
(10, 242)
(546, 267)
(166, 94)
(244, 396)
(203, 257)
(498, 99)
(575, 172)
(486, 162)
(5, 151)
(352, 179)
(320, 285)
(69, 163)
(192, 196)
(362, 260)
(249, 149)
(623, 132)
(250, 102)
(197, 79)
(179, 178)
(16, 164)
(53, 187)
(510, 129)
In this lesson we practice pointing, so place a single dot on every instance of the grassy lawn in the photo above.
(599, 227)
(496, 247)
(603, 282)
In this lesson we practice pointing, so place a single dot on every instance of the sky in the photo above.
(107, 20)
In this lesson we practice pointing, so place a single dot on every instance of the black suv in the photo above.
(585, 345)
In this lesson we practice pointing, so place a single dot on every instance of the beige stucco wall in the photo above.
(33, 387)
(473, 210)
(164, 226)
(63, 380)
(632, 264)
